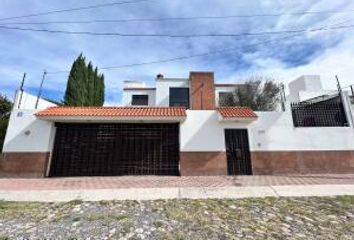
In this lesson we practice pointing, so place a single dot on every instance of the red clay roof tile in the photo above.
(237, 112)
(114, 111)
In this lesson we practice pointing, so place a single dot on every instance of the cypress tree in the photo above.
(91, 85)
(102, 96)
(85, 86)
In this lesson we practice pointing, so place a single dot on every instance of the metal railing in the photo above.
(329, 113)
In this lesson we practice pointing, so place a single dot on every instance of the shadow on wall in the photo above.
(27, 134)
(201, 134)
(24, 140)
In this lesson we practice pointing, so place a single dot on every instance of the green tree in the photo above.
(5, 109)
(257, 93)
(84, 85)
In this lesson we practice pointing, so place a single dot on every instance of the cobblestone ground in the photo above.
(258, 218)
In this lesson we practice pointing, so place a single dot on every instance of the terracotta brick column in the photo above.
(202, 90)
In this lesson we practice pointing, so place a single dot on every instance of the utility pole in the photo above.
(282, 97)
(21, 91)
(40, 89)
(338, 85)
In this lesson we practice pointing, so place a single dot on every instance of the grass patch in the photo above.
(74, 202)
(105, 217)
(17, 209)
(158, 224)
(346, 200)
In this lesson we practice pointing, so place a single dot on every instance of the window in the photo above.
(179, 97)
(140, 100)
(226, 99)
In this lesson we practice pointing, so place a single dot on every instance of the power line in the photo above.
(201, 54)
(187, 56)
(73, 9)
(195, 55)
(176, 18)
(175, 35)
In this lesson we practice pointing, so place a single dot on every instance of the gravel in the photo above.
(254, 218)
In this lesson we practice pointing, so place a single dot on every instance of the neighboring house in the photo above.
(177, 128)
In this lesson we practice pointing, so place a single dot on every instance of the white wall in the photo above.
(307, 83)
(127, 96)
(163, 89)
(134, 84)
(28, 101)
(202, 131)
(26, 133)
(273, 131)
(306, 95)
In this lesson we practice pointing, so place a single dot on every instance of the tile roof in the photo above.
(237, 112)
(114, 111)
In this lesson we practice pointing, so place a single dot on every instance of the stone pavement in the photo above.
(85, 183)
(152, 188)
(305, 218)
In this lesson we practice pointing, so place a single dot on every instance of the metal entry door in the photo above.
(237, 151)
(115, 149)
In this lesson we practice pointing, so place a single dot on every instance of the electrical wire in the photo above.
(180, 58)
(175, 18)
(73, 9)
(175, 35)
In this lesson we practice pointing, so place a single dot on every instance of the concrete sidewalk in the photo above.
(178, 193)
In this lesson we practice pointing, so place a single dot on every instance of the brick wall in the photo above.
(23, 164)
(202, 90)
(203, 163)
(302, 162)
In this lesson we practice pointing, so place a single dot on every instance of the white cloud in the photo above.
(32, 52)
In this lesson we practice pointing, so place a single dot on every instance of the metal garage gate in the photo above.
(238, 152)
(115, 149)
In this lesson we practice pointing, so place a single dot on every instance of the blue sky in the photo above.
(283, 57)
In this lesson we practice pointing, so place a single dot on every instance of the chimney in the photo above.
(159, 76)
(202, 90)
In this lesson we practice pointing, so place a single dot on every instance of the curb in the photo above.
(177, 193)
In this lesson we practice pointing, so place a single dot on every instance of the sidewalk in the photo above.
(151, 188)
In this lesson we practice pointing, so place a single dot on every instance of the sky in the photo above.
(283, 57)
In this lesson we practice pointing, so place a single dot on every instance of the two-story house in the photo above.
(178, 128)
(192, 93)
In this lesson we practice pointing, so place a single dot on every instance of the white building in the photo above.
(167, 92)
(177, 128)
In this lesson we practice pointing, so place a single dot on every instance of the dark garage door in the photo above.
(115, 149)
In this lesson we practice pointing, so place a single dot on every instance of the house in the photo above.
(177, 128)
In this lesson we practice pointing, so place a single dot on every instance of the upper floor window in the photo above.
(179, 97)
(226, 99)
(140, 100)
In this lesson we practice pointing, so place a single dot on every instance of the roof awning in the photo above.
(78, 114)
(241, 114)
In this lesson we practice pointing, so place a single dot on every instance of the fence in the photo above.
(329, 113)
